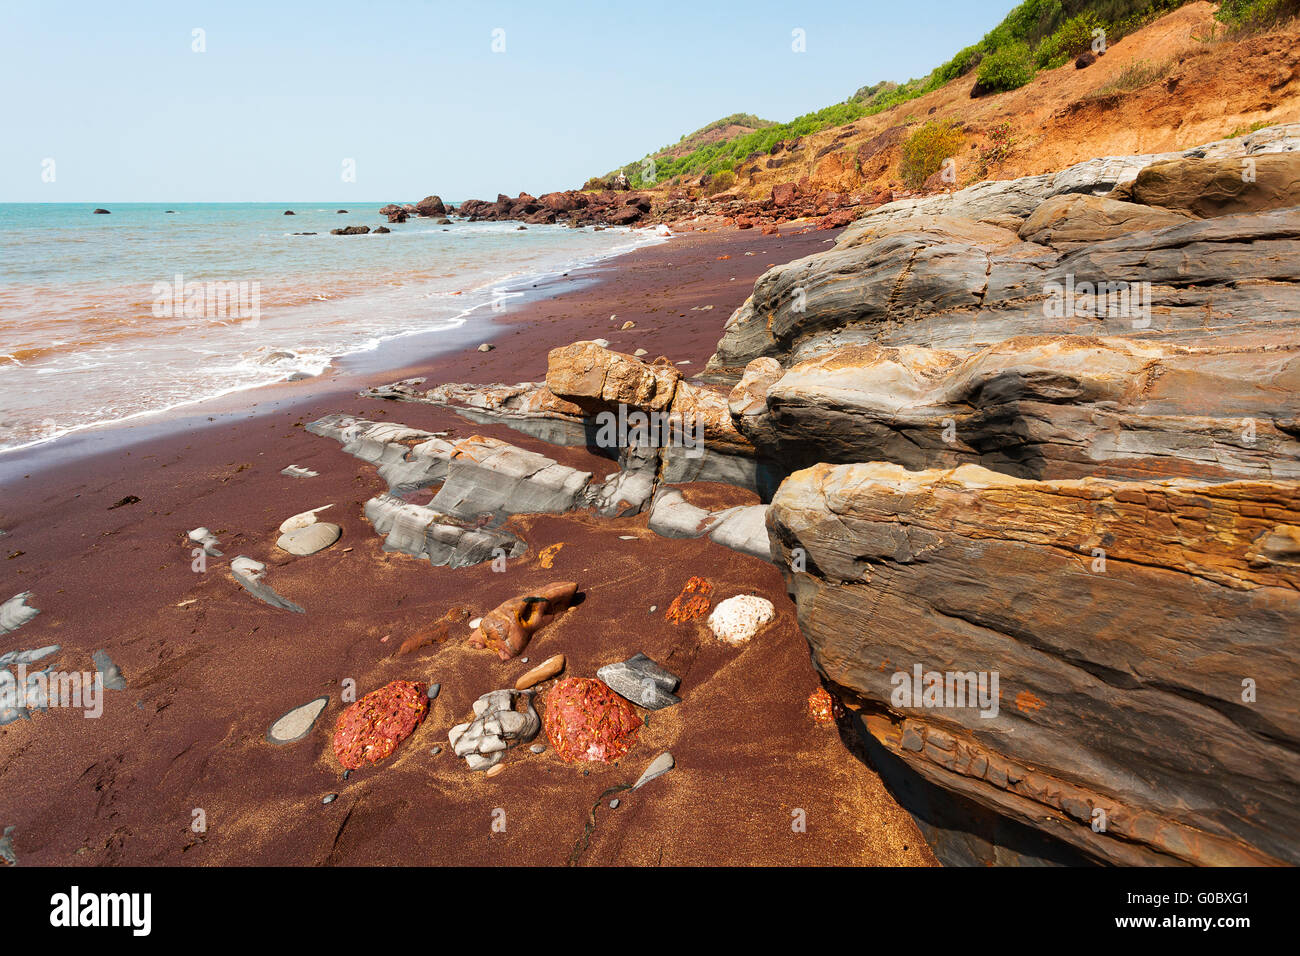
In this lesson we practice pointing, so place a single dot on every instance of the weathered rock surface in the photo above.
(1121, 682)
(314, 537)
(945, 271)
(1218, 187)
(508, 627)
(1078, 218)
(497, 726)
(1041, 407)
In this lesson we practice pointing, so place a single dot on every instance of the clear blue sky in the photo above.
(413, 92)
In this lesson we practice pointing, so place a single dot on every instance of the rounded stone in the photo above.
(739, 618)
(315, 537)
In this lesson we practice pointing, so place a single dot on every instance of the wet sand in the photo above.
(209, 668)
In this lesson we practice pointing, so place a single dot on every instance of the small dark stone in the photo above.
(128, 500)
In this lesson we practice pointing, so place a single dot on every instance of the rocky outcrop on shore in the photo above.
(1093, 500)
(1036, 442)
(574, 207)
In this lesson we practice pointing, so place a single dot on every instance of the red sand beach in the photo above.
(209, 668)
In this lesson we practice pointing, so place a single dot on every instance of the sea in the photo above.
(154, 306)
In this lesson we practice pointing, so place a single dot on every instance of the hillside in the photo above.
(1150, 69)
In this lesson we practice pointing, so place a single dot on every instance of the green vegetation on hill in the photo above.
(1246, 16)
(1038, 34)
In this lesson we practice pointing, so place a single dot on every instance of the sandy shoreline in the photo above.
(208, 668)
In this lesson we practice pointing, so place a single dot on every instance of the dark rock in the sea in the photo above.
(289, 212)
(249, 574)
(443, 222)
(350, 231)
(169, 210)
(340, 211)
(112, 674)
(391, 208)
(128, 500)
(431, 206)
(101, 212)
(302, 233)
(381, 230)
(398, 215)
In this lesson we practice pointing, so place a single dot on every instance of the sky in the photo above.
(236, 101)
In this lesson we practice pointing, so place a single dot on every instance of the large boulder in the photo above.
(1218, 187)
(431, 206)
(1105, 637)
(1077, 218)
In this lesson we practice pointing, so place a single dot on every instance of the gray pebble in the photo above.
(613, 804)
(433, 690)
(330, 798)
(346, 774)
(538, 748)
(523, 660)
(435, 751)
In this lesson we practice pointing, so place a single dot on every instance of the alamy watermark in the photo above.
(208, 300)
(946, 689)
(83, 690)
(624, 429)
(1099, 300)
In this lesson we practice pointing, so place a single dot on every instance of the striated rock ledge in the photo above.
(1120, 681)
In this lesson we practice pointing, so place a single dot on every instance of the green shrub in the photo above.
(1008, 68)
(719, 182)
(1071, 38)
(926, 149)
(1248, 16)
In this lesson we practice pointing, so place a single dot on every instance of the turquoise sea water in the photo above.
(105, 317)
